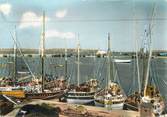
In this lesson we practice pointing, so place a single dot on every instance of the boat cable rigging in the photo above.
(119, 81)
(99, 71)
(71, 74)
(132, 87)
(18, 47)
(136, 47)
(150, 47)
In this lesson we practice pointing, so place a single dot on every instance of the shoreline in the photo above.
(69, 110)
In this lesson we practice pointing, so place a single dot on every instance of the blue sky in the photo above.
(91, 19)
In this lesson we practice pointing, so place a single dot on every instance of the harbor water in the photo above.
(90, 67)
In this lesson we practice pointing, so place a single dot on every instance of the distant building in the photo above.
(60, 52)
(101, 52)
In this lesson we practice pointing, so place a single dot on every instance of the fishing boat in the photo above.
(122, 60)
(147, 93)
(39, 91)
(8, 85)
(12, 92)
(112, 95)
(82, 93)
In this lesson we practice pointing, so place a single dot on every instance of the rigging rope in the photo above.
(99, 72)
(18, 44)
(119, 82)
(150, 46)
(72, 73)
(136, 50)
(131, 88)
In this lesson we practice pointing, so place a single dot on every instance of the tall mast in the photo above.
(15, 57)
(43, 51)
(149, 34)
(65, 67)
(94, 72)
(136, 48)
(149, 61)
(144, 58)
(78, 68)
(109, 60)
(137, 66)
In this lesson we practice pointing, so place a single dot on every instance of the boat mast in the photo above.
(65, 67)
(78, 68)
(144, 54)
(94, 71)
(138, 70)
(110, 74)
(149, 61)
(43, 51)
(15, 57)
(136, 49)
(149, 35)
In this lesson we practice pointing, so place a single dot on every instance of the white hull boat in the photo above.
(122, 60)
(118, 106)
(80, 97)
(80, 101)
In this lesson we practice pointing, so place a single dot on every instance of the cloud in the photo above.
(61, 13)
(30, 19)
(5, 8)
(57, 34)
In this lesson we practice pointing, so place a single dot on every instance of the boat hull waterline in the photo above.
(80, 97)
(44, 96)
(80, 101)
(118, 106)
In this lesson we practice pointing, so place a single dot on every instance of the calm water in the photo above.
(89, 68)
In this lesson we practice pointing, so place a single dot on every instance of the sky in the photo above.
(90, 20)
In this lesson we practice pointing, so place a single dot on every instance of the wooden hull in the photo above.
(14, 93)
(44, 96)
(131, 106)
(80, 97)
